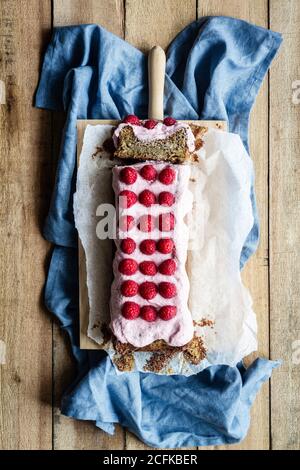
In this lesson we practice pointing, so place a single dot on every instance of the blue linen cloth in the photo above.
(214, 69)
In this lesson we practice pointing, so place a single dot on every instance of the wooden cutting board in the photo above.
(156, 71)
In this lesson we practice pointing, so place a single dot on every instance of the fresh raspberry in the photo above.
(167, 289)
(169, 121)
(167, 176)
(167, 267)
(148, 172)
(130, 310)
(129, 288)
(147, 198)
(128, 266)
(126, 222)
(148, 268)
(127, 198)
(148, 247)
(150, 124)
(148, 290)
(148, 313)
(128, 246)
(128, 175)
(167, 312)
(146, 223)
(166, 199)
(166, 222)
(165, 245)
(132, 119)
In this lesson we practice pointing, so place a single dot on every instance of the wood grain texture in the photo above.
(151, 22)
(68, 433)
(256, 274)
(25, 147)
(107, 13)
(285, 227)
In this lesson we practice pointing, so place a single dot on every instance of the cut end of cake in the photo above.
(175, 143)
(172, 149)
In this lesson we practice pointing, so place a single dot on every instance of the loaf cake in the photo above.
(149, 296)
(170, 140)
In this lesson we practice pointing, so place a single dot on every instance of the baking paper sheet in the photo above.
(220, 221)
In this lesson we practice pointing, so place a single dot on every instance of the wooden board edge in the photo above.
(82, 123)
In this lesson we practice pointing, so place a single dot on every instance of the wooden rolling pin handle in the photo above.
(156, 80)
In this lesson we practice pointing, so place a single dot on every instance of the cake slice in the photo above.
(170, 140)
(149, 296)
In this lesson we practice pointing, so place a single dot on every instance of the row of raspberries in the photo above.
(148, 247)
(129, 266)
(147, 198)
(148, 290)
(132, 310)
(147, 222)
(149, 124)
(128, 175)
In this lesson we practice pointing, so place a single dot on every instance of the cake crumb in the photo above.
(95, 326)
(194, 157)
(204, 322)
(123, 348)
(124, 363)
(196, 351)
(97, 153)
(158, 361)
(198, 144)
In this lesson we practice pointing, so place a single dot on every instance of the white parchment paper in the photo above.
(220, 221)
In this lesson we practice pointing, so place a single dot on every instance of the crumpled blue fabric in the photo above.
(214, 69)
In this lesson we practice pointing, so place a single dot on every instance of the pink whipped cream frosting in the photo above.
(159, 132)
(138, 332)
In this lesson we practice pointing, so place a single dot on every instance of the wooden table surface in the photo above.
(38, 364)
